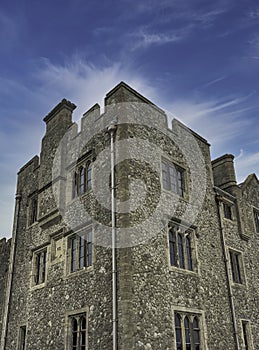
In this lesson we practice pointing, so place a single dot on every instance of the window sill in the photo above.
(79, 272)
(38, 286)
(184, 271)
(80, 197)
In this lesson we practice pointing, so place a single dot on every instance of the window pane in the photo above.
(165, 176)
(172, 247)
(196, 333)
(89, 176)
(178, 332)
(43, 268)
(74, 185)
(187, 333)
(82, 248)
(180, 182)
(73, 254)
(172, 173)
(81, 180)
(188, 253)
(227, 211)
(89, 249)
(180, 251)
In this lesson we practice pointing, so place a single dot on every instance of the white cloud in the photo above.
(79, 81)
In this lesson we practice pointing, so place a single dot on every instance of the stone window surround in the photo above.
(249, 333)
(32, 219)
(68, 330)
(241, 266)
(67, 264)
(73, 170)
(192, 231)
(184, 175)
(191, 312)
(46, 248)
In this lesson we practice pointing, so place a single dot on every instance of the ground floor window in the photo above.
(77, 332)
(187, 331)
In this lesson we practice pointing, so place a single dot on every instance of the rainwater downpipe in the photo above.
(231, 297)
(112, 129)
(10, 272)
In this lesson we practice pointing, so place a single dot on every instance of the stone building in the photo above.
(174, 265)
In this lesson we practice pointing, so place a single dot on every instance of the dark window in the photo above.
(178, 332)
(80, 251)
(173, 178)
(227, 211)
(180, 248)
(40, 267)
(78, 332)
(34, 210)
(256, 218)
(22, 338)
(188, 252)
(187, 331)
(172, 247)
(245, 334)
(235, 266)
(82, 180)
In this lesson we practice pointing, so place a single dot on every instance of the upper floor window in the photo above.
(78, 329)
(227, 211)
(256, 219)
(180, 247)
(40, 266)
(187, 331)
(33, 210)
(235, 262)
(80, 251)
(173, 178)
(82, 179)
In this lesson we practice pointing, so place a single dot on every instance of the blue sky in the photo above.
(197, 59)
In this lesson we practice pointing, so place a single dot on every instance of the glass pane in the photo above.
(180, 251)
(189, 252)
(172, 247)
(82, 244)
(73, 254)
(178, 332)
(89, 176)
(180, 183)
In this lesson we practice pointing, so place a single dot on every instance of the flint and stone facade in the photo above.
(191, 284)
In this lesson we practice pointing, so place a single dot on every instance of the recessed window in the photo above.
(33, 210)
(82, 179)
(40, 265)
(77, 332)
(256, 219)
(235, 262)
(227, 211)
(246, 335)
(22, 338)
(180, 247)
(80, 251)
(173, 178)
(187, 331)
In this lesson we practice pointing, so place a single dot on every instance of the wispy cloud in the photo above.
(244, 163)
(214, 81)
(79, 81)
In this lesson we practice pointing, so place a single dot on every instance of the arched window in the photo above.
(78, 328)
(180, 251)
(188, 252)
(172, 247)
(187, 333)
(178, 332)
(196, 333)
